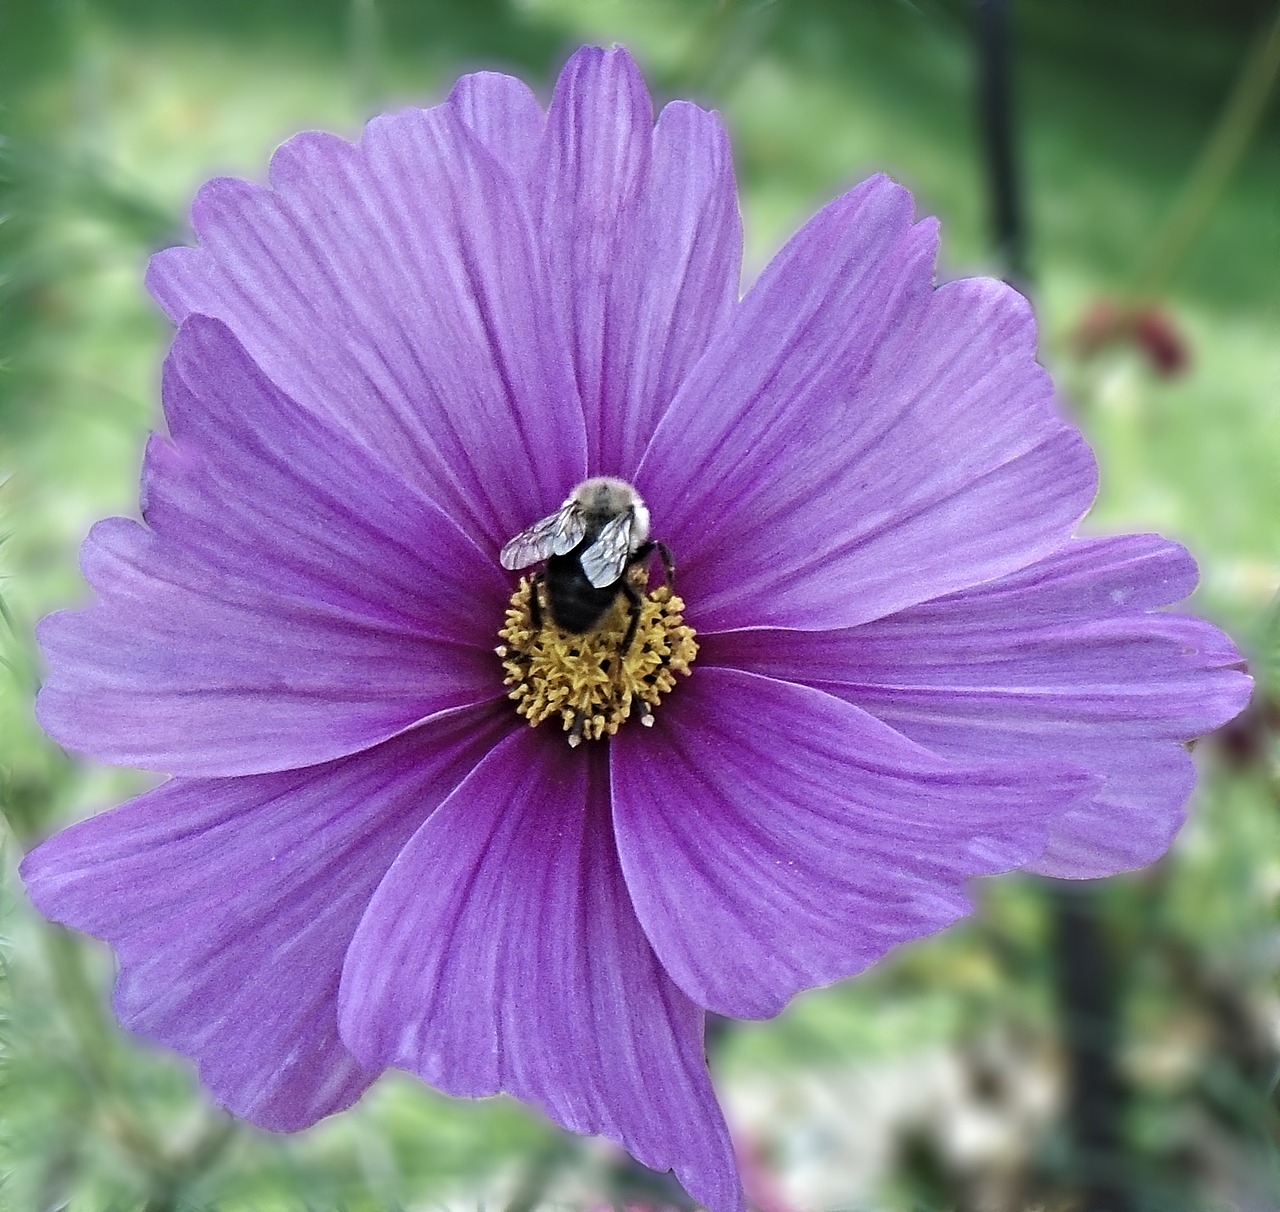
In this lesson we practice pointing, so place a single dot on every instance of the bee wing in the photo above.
(553, 535)
(606, 559)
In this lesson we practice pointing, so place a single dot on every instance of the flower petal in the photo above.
(291, 602)
(394, 287)
(856, 441)
(501, 952)
(231, 903)
(504, 115)
(642, 227)
(774, 838)
(1059, 663)
(1132, 821)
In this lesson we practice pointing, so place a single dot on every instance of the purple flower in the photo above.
(908, 671)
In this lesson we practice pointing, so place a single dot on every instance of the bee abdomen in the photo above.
(575, 603)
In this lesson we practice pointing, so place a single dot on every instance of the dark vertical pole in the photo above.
(1089, 995)
(1088, 986)
(1004, 183)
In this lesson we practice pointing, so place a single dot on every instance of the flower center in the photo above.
(587, 680)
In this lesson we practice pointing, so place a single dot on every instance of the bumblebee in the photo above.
(589, 544)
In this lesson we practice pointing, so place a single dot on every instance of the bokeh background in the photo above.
(1104, 1046)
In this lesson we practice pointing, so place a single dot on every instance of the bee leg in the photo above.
(668, 564)
(645, 550)
(535, 599)
(634, 599)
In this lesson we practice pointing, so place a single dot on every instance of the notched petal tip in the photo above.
(201, 344)
(1003, 315)
(503, 113)
(220, 197)
(615, 57)
(876, 203)
(1162, 572)
(307, 154)
(604, 82)
(1235, 690)
(165, 271)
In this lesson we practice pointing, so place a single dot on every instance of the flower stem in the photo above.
(1089, 991)
(1222, 153)
(1089, 996)
(1004, 183)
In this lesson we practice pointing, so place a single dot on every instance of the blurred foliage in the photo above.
(935, 1081)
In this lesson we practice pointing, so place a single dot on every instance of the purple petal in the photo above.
(504, 115)
(642, 229)
(856, 441)
(1060, 663)
(292, 600)
(501, 952)
(774, 838)
(394, 287)
(1132, 821)
(231, 903)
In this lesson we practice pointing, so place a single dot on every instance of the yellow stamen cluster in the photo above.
(585, 679)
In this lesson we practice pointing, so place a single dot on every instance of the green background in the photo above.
(937, 1080)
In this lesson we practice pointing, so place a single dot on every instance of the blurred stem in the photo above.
(20, 666)
(1004, 183)
(77, 994)
(722, 43)
(171, 1174)
(1089, 996)
(166, 1172)
(1088, 990)
(1222, 153)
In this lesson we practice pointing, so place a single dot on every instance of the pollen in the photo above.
(586, 681)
